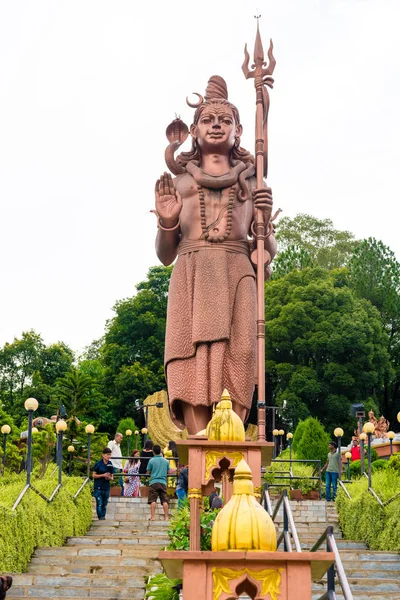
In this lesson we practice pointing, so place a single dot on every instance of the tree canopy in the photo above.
(325, 348)
(305, 241)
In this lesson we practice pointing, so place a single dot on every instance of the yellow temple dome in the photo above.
(225, 424)
(243, 524)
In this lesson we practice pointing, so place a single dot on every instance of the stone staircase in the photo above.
(110, 561)
(373, 575)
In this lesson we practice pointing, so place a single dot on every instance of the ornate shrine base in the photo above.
(211, 461)
(261, 575)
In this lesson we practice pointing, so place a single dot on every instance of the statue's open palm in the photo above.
(168, 201)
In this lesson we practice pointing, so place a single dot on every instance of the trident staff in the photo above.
(262, 76)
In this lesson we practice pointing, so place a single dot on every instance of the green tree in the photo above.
(291, 259)
(305, 238)
(374, 274)
(325, 348)
(77, 391)
(133, 348)
(30, 368)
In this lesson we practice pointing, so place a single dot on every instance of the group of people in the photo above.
(150, 465)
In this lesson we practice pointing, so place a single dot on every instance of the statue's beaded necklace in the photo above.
(206, 233)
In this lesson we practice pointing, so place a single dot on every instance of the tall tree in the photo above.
(305, 238)
(133, 348)
(325, 347)
(77, 391)
(374, 274)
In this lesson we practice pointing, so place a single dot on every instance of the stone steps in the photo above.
(111, 561)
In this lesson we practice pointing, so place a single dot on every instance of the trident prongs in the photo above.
(259, 68)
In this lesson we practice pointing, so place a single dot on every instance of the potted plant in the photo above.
(115, 489)
(295, 493)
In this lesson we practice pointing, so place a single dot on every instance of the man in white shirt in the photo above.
(115, 447)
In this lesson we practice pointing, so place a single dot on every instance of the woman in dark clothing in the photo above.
(145, 455)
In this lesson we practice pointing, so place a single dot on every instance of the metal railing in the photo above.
(337, 566)
(288, 475)
(289, 528)
(375, 495)
(30, 486)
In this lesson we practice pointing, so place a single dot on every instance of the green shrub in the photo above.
(363, 519)
(159, 587)
(36, 523)
(394, 462)
(314, 441)
(179, 528)
(298, 435)
(300, 471)
(379, 464)
(135, 443)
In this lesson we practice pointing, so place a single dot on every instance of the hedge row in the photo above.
(363, 519)
(37, 523)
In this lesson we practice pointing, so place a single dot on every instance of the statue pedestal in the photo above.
(261, 575)
(210, 461)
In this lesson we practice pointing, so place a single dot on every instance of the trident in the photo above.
(262, 76)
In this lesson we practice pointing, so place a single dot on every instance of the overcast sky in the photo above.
(87, 89)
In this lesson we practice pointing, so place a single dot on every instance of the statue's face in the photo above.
(216, 129)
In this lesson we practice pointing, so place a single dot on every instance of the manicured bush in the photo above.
(314, 441)
(298, 435)
(35, 522)
(379, 464)
(135, 443)
(363, 519)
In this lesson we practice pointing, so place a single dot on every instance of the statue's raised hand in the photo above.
(168, 201)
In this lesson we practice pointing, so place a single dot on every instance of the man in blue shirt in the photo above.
(103, 473)
(158, 468)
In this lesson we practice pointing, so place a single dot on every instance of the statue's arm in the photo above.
(168, 209)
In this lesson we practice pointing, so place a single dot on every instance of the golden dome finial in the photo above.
(243, 524)
(225, 424)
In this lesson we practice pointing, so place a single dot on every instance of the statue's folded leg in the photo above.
(196, 418)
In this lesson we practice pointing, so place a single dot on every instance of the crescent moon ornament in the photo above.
(197, 104)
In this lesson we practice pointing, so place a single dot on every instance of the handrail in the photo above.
(288, 475)
(43, 496)
(344, 584)
(344, 488)
(288, 521)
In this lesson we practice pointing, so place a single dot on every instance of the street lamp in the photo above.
(281, 433)
(5, 430)
(363, 437)
(275, 433)
(391, 435)
(89, 430)
(61, 426)
(71, 450)
(136, 439)
(31, 404)
(289, 437)
(144, 432)
(348, 456)
(338, 433)
(146, 407)
(369, 429)
(128, 434)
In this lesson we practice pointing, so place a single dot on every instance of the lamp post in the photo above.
(363, 437)
(338, 433)
(289, 438)
(348, 456)
(71, 450)
(5, 430)
(31, 404)
(144, 432)
(281, 433)
(369, 429)
(61, 426)
(128, 434)
(145, 408)
(391, 435)
(275, 433)
(136, 439)
(89, 430)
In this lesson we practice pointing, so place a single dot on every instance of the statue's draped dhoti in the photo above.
(211, 325)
